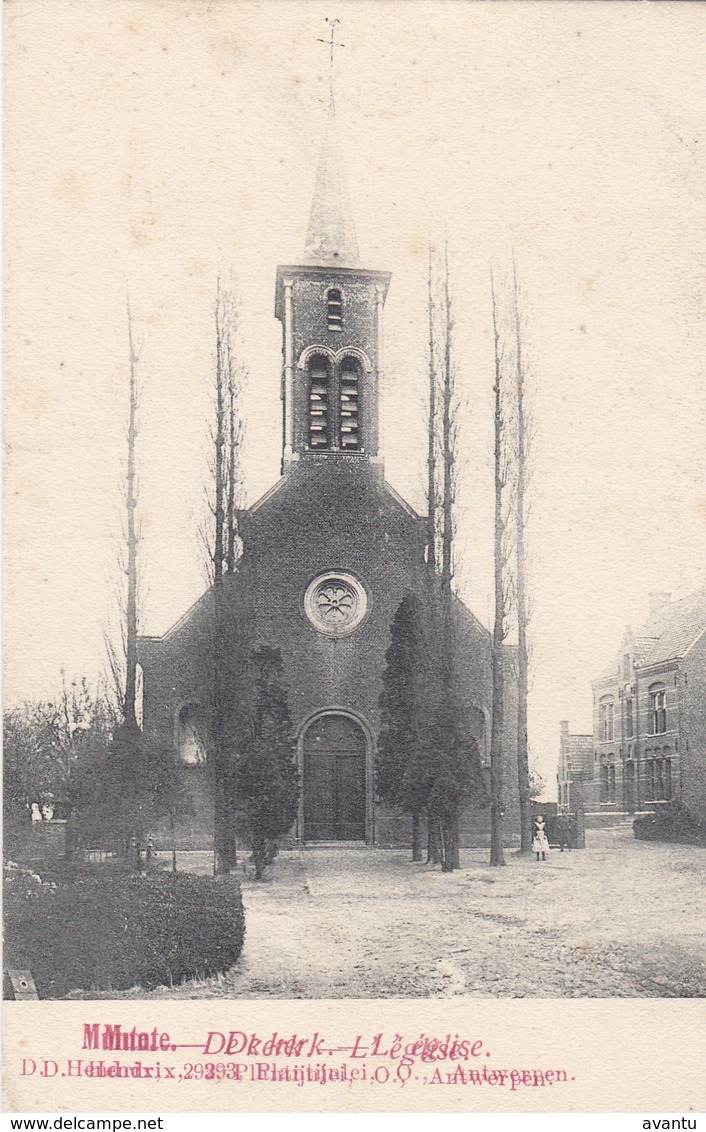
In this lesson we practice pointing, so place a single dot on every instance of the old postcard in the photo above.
(355, 621)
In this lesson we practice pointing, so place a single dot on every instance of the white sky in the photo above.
(161, 142)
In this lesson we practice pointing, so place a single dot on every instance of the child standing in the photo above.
(540, 843)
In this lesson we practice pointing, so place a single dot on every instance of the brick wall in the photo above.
(693, 752)
(329, 514)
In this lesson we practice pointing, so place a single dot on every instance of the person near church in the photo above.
(563, 831)
(540, 844)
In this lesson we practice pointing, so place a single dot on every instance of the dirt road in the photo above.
(621, 918)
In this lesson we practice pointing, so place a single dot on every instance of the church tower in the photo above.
(331, 311)
(328, 553)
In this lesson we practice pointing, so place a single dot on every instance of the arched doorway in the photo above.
(334, 751)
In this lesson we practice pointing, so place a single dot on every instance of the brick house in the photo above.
(649, 713)
(575, 767)
(328, 554)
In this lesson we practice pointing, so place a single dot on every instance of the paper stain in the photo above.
(71, 187)
(418, 248)
(141, 226)
(227, 52)
(197, 267)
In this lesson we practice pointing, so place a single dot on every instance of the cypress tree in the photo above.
(266, 780)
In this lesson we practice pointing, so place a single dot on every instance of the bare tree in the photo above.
(448, 461)
(432, 499)
(522, 428)
(219, 535)
(433, 839)
(497, 856)
(449, 760)
(123, 789)
(132, 538)
(450, 851)
(235, 440)
(222, 835)
(226, 439)
(121, 640)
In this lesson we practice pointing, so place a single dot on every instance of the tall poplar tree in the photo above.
(522, 430)
(122, 789)
(226, 437)
(497, 856)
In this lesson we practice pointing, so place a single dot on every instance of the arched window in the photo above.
(334, 403)
(629, 785)
(191, 750)
(606, 710)
(319, 375)
(663, 783)
(658, 775)
(629, 725)
(658, 709)
(349, 394)
(650, 776)
(607, 779)
(334, 310)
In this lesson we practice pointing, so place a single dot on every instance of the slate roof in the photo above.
(674, 628)
(331, 237)
(668, 634)
(643, 648)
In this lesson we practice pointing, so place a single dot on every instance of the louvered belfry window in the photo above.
(319, 438)
(349, 393)
(334, 309)
(334, 392)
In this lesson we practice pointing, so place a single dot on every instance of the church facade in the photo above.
(328, 555)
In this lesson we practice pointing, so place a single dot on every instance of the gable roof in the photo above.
(666, 635)
(674, 628)
(643, 647)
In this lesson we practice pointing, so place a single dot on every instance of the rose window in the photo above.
(335, 604)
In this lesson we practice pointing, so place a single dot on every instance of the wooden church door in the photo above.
(334, 780)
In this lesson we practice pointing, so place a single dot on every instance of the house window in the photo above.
(629, 786)
(628, 719)
(334, 310)
(627, 666)
(663, 779)
(650, 779)
(658, 709)
(606, 709)
(349, 390)
(319, 438)
(658, 775)
(607, 782)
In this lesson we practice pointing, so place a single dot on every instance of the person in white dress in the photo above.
(540, 845)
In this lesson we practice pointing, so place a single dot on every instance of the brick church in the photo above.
(328, 554)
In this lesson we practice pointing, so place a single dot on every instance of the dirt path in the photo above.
(623, 918)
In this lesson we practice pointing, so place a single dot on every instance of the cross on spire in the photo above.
(332, 43)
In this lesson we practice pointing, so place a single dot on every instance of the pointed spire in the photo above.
(331, 237)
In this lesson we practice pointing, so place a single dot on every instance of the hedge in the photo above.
(671, 823)
(107, 930)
